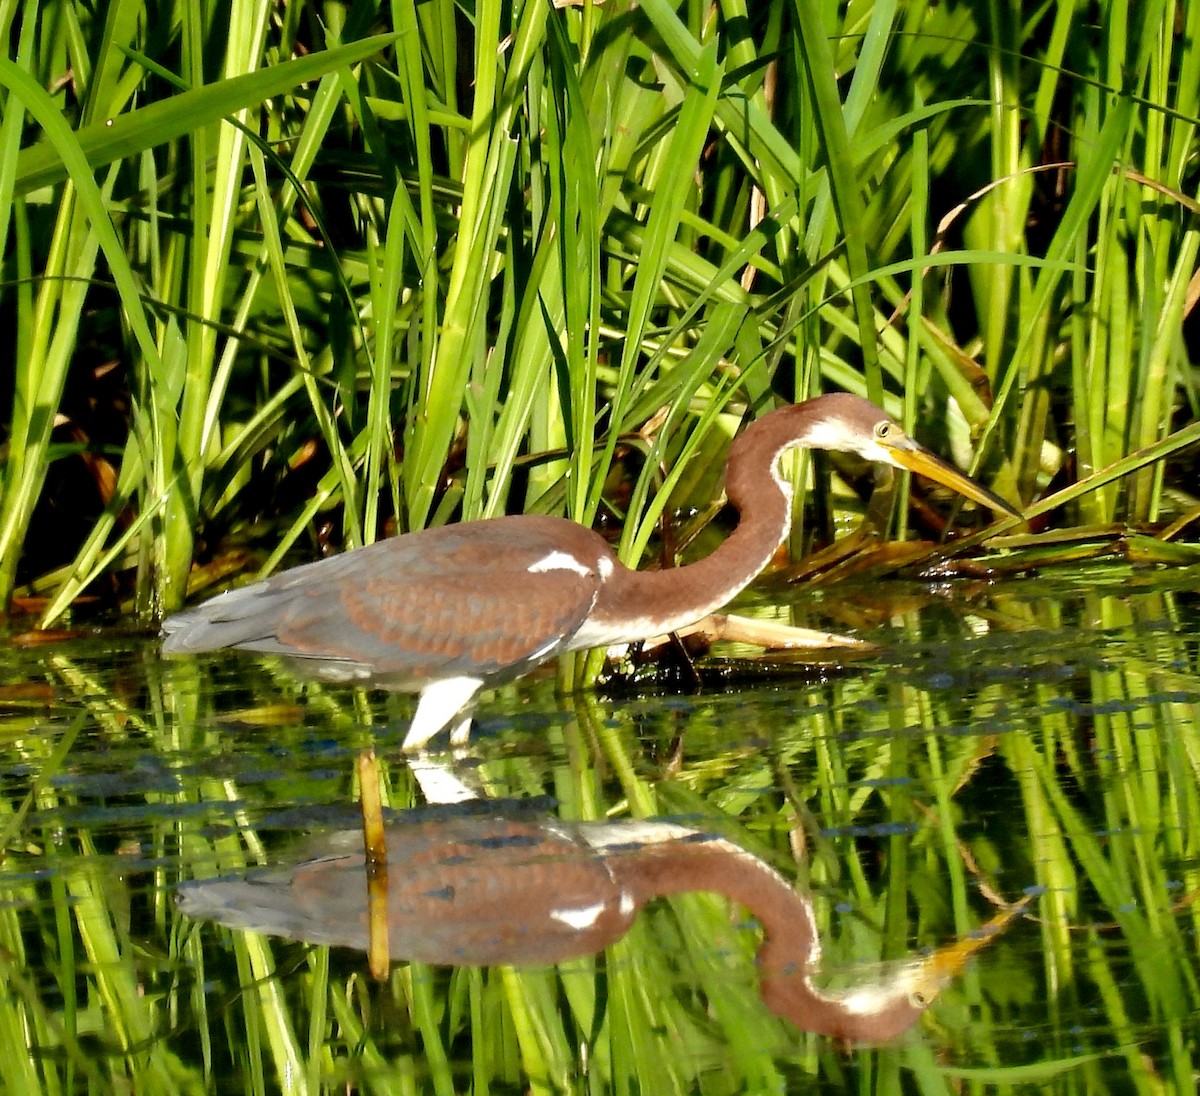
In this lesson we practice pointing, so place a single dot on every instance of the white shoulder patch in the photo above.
(580, 917)
(559, 561)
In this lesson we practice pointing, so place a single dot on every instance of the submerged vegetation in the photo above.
(991, 756)
(342, 269)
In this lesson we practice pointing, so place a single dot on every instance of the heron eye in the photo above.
(883, 429)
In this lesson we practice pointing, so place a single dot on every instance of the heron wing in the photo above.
(475, 599)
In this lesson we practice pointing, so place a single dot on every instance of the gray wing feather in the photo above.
(456, 600)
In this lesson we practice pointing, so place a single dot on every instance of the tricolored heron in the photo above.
(449, 611)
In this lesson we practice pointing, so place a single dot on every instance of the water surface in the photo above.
(1037, 738)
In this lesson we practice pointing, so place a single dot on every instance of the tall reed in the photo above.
(460, 267)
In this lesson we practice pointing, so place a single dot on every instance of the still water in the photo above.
(1023, 757)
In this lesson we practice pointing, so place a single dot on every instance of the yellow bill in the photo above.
(906, 453)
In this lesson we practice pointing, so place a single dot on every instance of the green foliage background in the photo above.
(334, 266)
(281, 274)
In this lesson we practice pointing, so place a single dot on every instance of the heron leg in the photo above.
(439, 783)
(442, 704)
(460, 734)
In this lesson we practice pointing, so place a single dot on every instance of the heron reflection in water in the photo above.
(483, 889)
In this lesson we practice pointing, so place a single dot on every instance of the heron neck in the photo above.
(679, 596)
(790, 952)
